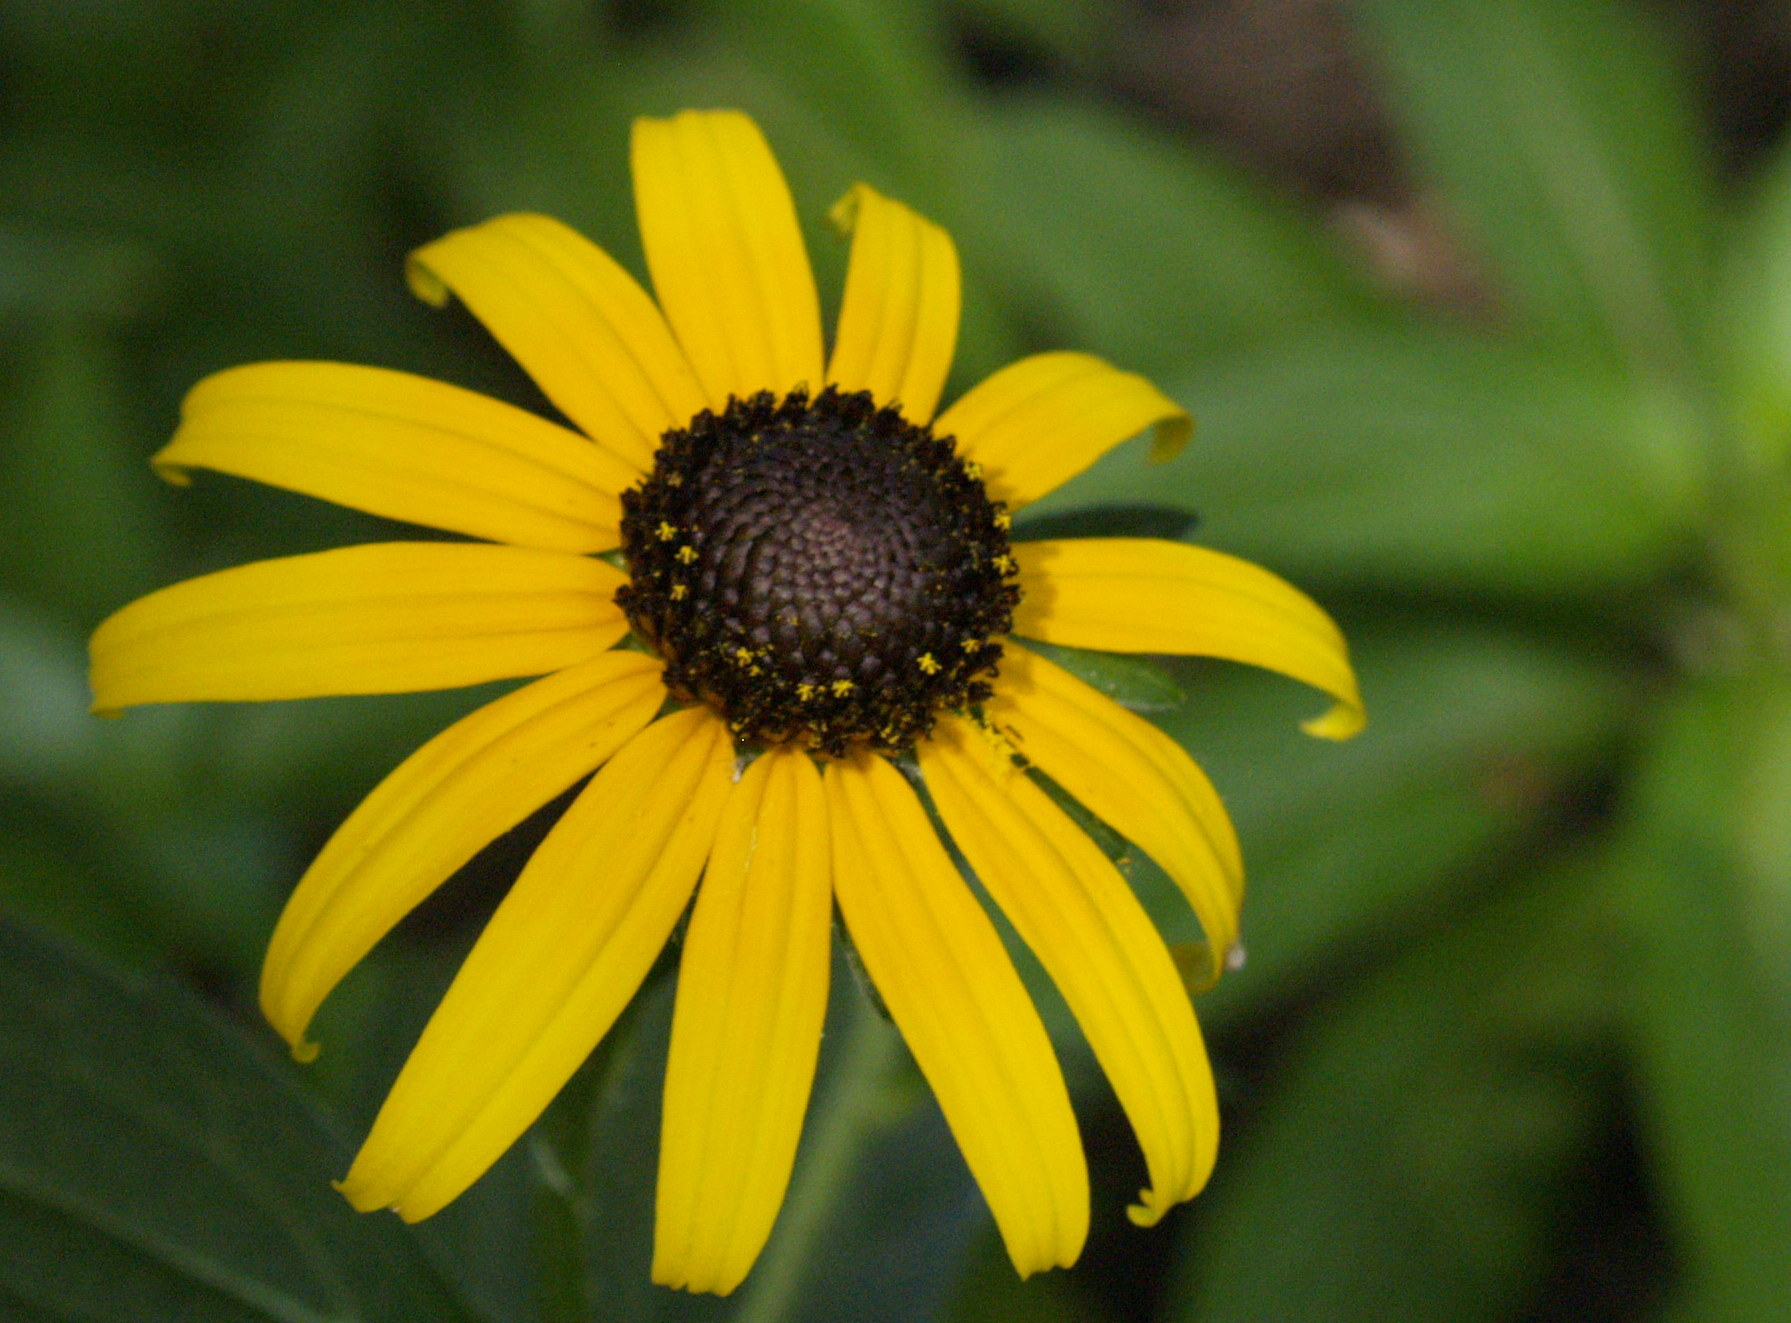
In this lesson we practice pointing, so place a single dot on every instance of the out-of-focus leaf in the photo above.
(1421, 1146)
(1422, 458)
(1711, 1003)
(1472, 736)
(1564, 138)
(47, 736)
(324, 755)
(63, 277)
(1755, 295)
(177, 70)
(1077, 34)
(877, 1218)
(875, 73)
(45, 883)
(1120, 242)
(153, 1166)
(991, 1292)
(77, 530)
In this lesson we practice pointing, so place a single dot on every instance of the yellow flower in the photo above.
(849, 598)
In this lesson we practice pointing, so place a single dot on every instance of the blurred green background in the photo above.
(1484, 312)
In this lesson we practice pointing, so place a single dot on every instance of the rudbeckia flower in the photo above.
(816, 574)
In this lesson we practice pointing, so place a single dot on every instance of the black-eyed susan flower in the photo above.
(820, 577)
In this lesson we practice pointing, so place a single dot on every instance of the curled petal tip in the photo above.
(175, 475)
(1342, 722)
(425, 284)
(842, 215)
(1170, 436)
(355, 1191)
(304, 1051)
(1149, 1210)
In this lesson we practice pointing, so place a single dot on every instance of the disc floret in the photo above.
(818, 570)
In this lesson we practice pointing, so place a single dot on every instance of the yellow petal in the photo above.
(557, 963)
(936, 959)
(752, 992)
(443, 804)
(899, 318)
(1039, 422)
(1071, 906)
(404, 447)
(726, 254)
(1145, 595)
(380, 619)
(576, 321)
(1130, 775)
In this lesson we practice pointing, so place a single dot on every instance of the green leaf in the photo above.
(153, 1165)
(1137, 683)
(1421, 458)
(1078, 34)
(1710, 870)
(875, 74)
(1121, 242)
(55, 276)
(1564, 139)
(1414, 1158)
(47, 735)
(1472, 733)
(77, 527)
(1755, 295)
(47, 883)
(992, 1292)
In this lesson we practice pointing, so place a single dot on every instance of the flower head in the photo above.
(819, 570)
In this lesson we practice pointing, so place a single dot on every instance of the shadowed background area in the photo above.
(1484, 316)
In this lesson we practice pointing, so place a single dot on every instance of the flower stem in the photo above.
(857, 1112)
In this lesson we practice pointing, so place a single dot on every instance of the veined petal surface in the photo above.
(1146, 595)
(940, 966)
(899, 317)
(577, 322)
(404, 447)
(391, 617)
(752, 993)
(1130, 775)
(1071, 906)
(446, 802)
(557, 963)
(726, 254)
(1039, 422)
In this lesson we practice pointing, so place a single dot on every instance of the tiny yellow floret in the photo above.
(841, 688)
(666, 531)
(688, 555)
(926, 663)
